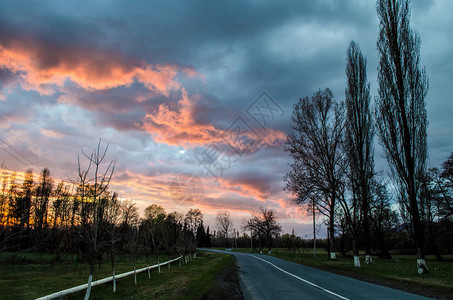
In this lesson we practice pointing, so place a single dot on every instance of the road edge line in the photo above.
(301, 279)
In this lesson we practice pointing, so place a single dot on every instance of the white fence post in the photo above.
(114, 282)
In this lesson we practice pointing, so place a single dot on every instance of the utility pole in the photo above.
(251, 240)
(314, 230)
(234, 236)
(328, 242)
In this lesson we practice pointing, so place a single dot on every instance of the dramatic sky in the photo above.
(192, 94)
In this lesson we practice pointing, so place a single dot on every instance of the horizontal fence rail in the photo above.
(83, 287)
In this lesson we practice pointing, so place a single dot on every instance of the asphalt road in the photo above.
(266, 277)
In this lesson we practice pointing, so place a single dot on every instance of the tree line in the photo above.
(332, 146)
(84, 217)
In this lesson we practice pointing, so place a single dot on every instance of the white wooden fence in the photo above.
(83, 287)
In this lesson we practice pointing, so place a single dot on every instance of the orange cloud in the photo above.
(148, 189)
(177, 127)
(293, 210)
(247, 188)
(43, 66)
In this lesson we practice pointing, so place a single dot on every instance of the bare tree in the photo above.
(359, 133)
(130, 213)
(154, 219)
(400, 109)
(383, 220)
(444, 187)
(26, 197)
(193, 219)
(430, 212)
(3, 199)
(315, 144)
(43, 193)
(94, 188)
(113, 217)
(254, 226)
(172, 230)
(134, 245)
(224, 224)
(265, 226)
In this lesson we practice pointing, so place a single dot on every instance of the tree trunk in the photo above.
(419, 237)
(343, 253)
(355, 251)
(135, 270)
(314, 230)
(113, 271)
(432, 241)
(332, 237)
(421, 263)
(152, 240)
(366, 229)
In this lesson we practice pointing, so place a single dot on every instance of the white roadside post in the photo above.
(135, 276)
(356, 261)
(114, 282)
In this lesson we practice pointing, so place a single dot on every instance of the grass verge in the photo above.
(25, 277)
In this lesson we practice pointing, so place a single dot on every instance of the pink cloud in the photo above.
(43, 67)
(177, 126)
(247, 187)
(52, 133)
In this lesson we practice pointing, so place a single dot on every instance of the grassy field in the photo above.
(398, 272)
(27, 276)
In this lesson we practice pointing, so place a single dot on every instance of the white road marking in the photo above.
(301, 279)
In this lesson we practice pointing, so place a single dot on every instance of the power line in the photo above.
(14, 156)
(17, 152)
(21, 161)
(3, 168)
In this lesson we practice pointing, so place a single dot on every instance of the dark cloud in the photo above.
(116, 64)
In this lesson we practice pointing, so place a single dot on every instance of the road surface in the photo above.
(267, 277)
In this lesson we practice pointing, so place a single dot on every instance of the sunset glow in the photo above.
(169, 92)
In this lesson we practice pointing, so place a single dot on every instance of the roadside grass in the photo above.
(191, 281)
(399, 272)
(31, 275)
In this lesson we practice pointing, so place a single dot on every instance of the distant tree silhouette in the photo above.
(153, 221)
(265, 226)
(224, 225)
